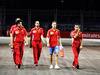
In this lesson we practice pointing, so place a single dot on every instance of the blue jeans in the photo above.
(54, 49)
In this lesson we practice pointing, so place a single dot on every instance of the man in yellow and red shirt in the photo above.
(52, 42)
(37, 38)
(17, 44)
(14, 26)
(77, 43)
(11, 30)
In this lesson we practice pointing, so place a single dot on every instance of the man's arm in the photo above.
(10, 37)
(60, 41)
(12, 41)
(26, 40)
(47, 42)
(81, 46)
(30, 41)
(11, 34)
(42, 39)
(82, 42)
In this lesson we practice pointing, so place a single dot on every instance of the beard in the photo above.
(54, 27)
(19, 26)
(37, 26)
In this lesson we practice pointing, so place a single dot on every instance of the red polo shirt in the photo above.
(14, 26)
(19, 34)
(53, 37)
(36, 34)
(77, 40)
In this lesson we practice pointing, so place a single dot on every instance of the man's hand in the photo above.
(26, 43)
(11, 46)
(81, 47)
(77, 34)
(47, 44)
(79, 30)
(60, 44)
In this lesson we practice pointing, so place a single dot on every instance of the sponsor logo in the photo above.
(51, 32)
(34, 31)
(16, 32)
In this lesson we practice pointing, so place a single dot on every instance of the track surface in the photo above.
(89, 60)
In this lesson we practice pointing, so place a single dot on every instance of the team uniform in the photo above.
(11, 30)
(18, 47)
(53, 40)
(14, 26)
(76, 46)
(36, 43)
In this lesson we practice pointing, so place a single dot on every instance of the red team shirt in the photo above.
(36, 34)
(14, 26)
(76, 42)
(53, 37)
(19, 34)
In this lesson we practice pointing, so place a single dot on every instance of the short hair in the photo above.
(54, 22)
(77, 24)
(37, 21)
(16, 19)
(17, 22)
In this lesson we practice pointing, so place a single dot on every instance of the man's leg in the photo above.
(21, 52)
(78, 51)
(75, 56)
(14, 56)
(50, 57)
(35, 53)
(17, 57)
(39, 49)
(56, 51)
(56, 58)
(39, 53)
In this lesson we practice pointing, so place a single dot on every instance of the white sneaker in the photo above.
(51, 66)
(57, 67)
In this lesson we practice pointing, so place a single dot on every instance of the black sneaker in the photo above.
(19, 66)
(77, 66)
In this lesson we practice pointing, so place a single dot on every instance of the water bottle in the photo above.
(11, 51)
(60, 47)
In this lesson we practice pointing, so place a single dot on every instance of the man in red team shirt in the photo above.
(14, 26)
(11, 30)
(52, 42)
(77, 43)
(37, 38)
(17, 45)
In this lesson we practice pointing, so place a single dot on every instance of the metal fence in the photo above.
(89, 20)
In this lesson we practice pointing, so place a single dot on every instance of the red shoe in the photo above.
(35, 64)
(73, 65)
(16, 66)
(21, 63)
